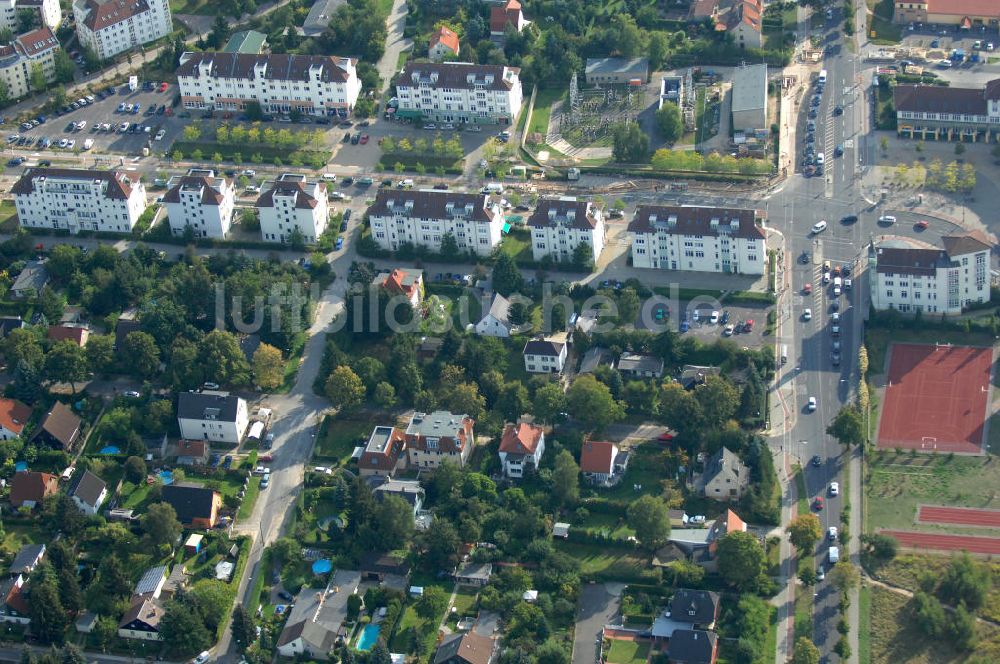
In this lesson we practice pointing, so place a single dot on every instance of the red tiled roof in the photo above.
(500, 16)
(194, 448)
(68, 332)
(520, 438)
(32, 486)
(37, 41)
(446, 37)
(989, 8)
(13, 415)
(597, 457)
(104, 14)
(16, 600)
(386, 460)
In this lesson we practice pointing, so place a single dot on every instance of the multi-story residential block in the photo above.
(110, 27)
(703, 239)
(49, 13)
(309, 84)
(432, 438)
(78, 200)
(213, 416)
(948, 113)
(423, 217)
(384, 454)
(20, 58)
(202, 201)
(459, 92)
(930, 279)
(560, 225)
(293, 204)
(443, 44)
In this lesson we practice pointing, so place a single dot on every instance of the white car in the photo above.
(201, 658)
(697, 519)
(811, 404)
(714, 318)
(820, 158)
(820, 573)
(160, 134)
(80, 125)
(834, 488)
(831, 533)
(807, 314)
(887, 219)
(728, 330)
(835, 317)
(63, 142)
(819, 226)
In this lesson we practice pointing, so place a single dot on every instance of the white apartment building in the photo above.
(111, 27)
(78, 200)
(423, 217)
(19, 57)
(930, 279)
(459, 92)
(310, 84)
(560, 225)
(49, 13)
(291, 204)
(701, 239)
(202, 201)
(214, 416)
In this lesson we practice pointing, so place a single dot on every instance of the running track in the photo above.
(958, 516)
(912, 540)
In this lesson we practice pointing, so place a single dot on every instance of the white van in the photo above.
(834, 555)
(848, 284)
(493, 188)
(784, 353)
(820, 158)
(838, 285)
(822, 77)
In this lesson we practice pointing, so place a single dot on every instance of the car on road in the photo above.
(807, 289)
(685, 326)
(838, 151)
(838, 110)
(364, 139)
(728, 330)
(818, 503)
(831, 533)
(820, 159)
(811, 404)
(16, 161)
(201, 658)
(887, 219)
(820, 573)
(835, 358)
(921, 225)
(849, 219)
(835, 329)
(834, 488)
(817, 460)
(132, 394)
(819, 226)
(807, 314)
(804, 257)
(339, 245)
(163, 87)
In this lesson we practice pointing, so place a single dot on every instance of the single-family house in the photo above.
(400, 283)
(10, 323)
(521, 448)
(78, 334)
(29, 488)
(431, 438)
(142, 620)
(384, 453)
(88, 492)
(700, 608)
(467, 648)
(408, 490)
(27, 559)
(30, 280)
(726, 477)
(693, 646)
(13, 416)
(192, 452)
(317, 619)
(213, 416)
(196, 506)
(14, 600)
(127, 323)
(59, 427)
(151, 583)
(546, 355)
(693, 375)
(496, 321)
(602, 462)
(443, 44)
(504, 15)
(387, 568)
(474, 574)
(633, 365)
(308, 638)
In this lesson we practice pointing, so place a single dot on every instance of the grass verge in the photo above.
(864, 625)
(543, 109)
(249, 499)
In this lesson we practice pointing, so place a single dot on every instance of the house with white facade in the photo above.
(545, 356)
(521, 449)
(213, 416)
(79, 200)
(88, 492)
(292, 204)
(19, 58)
(49, 13)
(443, 44)
(423, 217)
(942, 280)
(111, 27)
(323, 85)
(13, 416)
(201, 201)
(744, 23)
(459, 92)
(603, 462)
(496, 320)
(931, 112)
(701, 239)
(142, 620)
(432, 438)
(560, 225)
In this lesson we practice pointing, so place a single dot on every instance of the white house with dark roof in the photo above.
(544, 356)
(280, 83)
(948, 112)
(28, 557)
(423, 217)
(30, 280)
(634, 365)
(725, 478)
(213, 416)
(560, 225)
(19, 57)
(521, 448)
(291, 203)
(110, 27)
(496, 320)
(142, 620)
(701, 239)
(201, 201)
(912, 276)
(77, 200)
(88, 492)
(459, 92)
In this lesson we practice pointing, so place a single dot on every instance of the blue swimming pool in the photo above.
(369, 635)
(110, 449)
(166, 477)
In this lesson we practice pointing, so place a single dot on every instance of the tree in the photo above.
(268, 367)
(64, 67)
(50, 304)
(449, 247)
(507, 277)
(548, 403)
(590, 401)
(71, 654)
(100, 352)
(963, 627)
(551, 652)
(583, 257)
(140, 355)
(135, 469)
(649, 519)
(222, 360)
(160, 524)
(48, 618)
(432, 604)
(344, 388)
(719, 400)
(391, 525)
(565, 480)
(882, 547)
(805, 652)
(966, 581)
(69, 589)
(286, 551)
(66, 363)
(380, 654)
(244, 627)
(669, 121)
(385, 395)
(848, 427)
(741, 558)
(804, 532)
(629, 143)
(931, 617)
(26, 382)
(441, 546)
(37, 79)
(845, 575)
(182, 628)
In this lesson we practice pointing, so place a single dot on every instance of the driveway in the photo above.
(599, 606)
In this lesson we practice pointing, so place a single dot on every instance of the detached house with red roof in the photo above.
(14, 601)
(77, 200)
(399, 282)
(443, 44)
(521, 449)
(744, 24)
(110, 27)
(603, 463)
(506, 14)
(292, 204)
(384, 454)
(78, 334)
(13, 416)
(29, 489)
(432, 438)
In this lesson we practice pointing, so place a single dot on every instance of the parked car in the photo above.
(819, 227)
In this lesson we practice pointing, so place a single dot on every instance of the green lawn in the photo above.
(647, 470)
(7, 214)
(340, 437)
(614, 526)
(517, 244)
(881, 28)
(413, 629)
(595, 559)
(134, 497)
(627, 652)
(465, 601)
(203, 7)
(864, 625)
(543, 109)
(17, 535)
(249, 499)
(804, 608)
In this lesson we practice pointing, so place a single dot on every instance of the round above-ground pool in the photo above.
(166, 477)
(369, 635)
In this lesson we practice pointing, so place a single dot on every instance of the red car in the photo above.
(163, 87)
(818, 503)
(265, 458)
(748, 326)
(808, 288)
(922, 225)
(364, 138)
(666, 436)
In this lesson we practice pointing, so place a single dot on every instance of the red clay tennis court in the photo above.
(936, 398)
(958, 516)
(911, 540)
